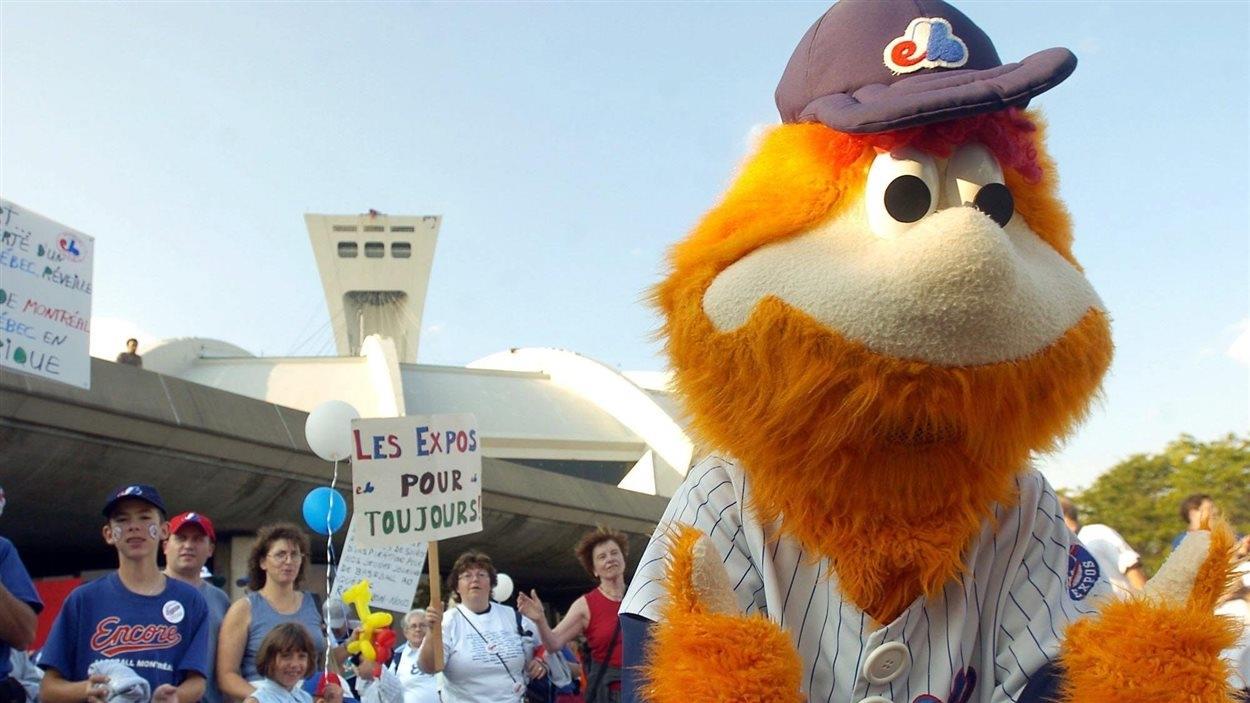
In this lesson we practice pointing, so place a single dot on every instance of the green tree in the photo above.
(1140, 497)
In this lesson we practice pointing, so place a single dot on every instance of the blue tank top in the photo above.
(265, 618)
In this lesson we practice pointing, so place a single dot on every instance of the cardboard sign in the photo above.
(416, 479)
(45, 297)
(393, 572)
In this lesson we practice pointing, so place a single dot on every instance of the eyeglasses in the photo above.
(471, 575)
(286, 556)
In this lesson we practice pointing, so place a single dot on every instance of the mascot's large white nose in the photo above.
(961, 259)
(955, 289)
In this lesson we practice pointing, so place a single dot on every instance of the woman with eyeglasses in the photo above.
(488, 648)
(275, 570)
(419, 687)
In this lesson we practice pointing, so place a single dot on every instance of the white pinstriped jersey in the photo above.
(978, 641)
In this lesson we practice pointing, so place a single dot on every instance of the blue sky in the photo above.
(566, 146)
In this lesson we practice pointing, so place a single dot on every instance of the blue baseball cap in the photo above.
(871, 66)
(137, 491)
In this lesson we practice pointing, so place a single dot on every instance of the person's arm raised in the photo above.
(573, 624)
(425, 657)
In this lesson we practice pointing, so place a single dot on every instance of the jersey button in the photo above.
(876, 699)
(886, 663)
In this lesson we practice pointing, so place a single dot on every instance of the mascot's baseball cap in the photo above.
(176, 523)
(137, 491)
(871, 66)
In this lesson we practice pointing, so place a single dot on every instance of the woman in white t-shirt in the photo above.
(419, 687)
(488, 649)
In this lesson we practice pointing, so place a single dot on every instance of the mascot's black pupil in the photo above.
(994, 199)
(907, 198)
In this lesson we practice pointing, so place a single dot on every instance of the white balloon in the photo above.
(503, 588)
(329, 430)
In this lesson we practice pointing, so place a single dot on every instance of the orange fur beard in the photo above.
(887, 466)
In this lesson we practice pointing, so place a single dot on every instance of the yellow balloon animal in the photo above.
(359, 595)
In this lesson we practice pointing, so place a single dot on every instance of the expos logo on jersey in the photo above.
(112, 637)
(1082, 572)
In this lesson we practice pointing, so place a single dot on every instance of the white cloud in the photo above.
(109, 335)
(434, 328)
(1239, 350)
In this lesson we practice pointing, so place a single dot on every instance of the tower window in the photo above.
(401, 250)
(344, 228)
(347, 250)
(373, 228)
(375, 250)
(405, 228)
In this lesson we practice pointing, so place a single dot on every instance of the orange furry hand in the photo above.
(702, 649)
(1163, 645)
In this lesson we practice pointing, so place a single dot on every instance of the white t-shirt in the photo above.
(485, 655)
(1239, 654)
(1112, 553)
(419, 687)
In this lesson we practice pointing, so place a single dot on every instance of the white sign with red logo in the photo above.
(416, 479)
(45, 297)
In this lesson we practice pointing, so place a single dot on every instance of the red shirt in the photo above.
(603, 621)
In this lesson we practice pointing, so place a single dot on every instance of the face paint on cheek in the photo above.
(117, 532)
(154, 531)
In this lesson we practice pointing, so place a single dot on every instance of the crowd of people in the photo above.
(168, 635)
(142, 633)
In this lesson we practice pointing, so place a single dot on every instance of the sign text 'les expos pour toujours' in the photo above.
(416, 478)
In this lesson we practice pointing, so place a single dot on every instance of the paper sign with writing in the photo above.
(416, 478)
(393, 572)
(45, 297)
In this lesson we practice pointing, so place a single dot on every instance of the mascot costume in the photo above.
(872, 332)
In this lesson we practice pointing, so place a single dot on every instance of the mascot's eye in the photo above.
(973, 177)
(902, 189)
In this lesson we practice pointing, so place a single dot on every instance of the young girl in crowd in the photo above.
(287, 656)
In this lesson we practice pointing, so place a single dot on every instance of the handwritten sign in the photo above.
(416, 478)
(45, 297)
(393, 572)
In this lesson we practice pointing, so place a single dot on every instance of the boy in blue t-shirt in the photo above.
(136, 616)
(19, 607)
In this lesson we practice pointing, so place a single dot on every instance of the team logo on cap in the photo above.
(129, 491)
(1082, 572)
(929, 42)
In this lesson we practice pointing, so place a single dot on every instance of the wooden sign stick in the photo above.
(436, 596)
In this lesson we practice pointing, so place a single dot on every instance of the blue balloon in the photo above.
(320, 503)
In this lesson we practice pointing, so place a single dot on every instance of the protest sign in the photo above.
(416, 478)
(45, 297)
(393, 572)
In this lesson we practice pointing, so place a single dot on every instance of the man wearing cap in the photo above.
(191, 542)
(135, 617)
(19, 605)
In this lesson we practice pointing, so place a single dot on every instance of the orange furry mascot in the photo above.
(874, 330)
